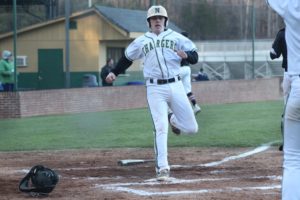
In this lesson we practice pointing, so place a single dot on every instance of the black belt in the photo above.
(164, 81)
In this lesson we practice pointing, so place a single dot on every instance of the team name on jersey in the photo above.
(164, 43)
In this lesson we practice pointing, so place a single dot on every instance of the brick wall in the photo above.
(9, 105)
(66, 101)
(234, 91)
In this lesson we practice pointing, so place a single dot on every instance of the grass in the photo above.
(228, 125)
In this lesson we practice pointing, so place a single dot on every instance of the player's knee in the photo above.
(193, 129)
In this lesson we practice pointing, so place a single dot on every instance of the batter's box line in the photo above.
(124, 187)
(259, 149)
(233, 189)
(151, 182)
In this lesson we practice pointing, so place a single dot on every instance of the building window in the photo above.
(115, 53)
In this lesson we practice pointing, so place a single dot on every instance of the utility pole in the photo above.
(253, 40)
(90, 3)
(67, 47)
(247, 18)
(15, 45)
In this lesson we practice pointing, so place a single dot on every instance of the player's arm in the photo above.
(132, 52)
(189, 51)
(192, 57)
(276, 50)
(123, 64)
(278, 6)
(188, 56)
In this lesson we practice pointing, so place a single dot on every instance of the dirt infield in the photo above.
(197, 173)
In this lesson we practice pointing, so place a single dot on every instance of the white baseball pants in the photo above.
(160, 98)
(286, 86)
(185, 74)
(291, 149)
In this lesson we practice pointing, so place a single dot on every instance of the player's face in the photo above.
(157, 24)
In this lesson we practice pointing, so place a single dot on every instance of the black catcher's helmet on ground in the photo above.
(39, 181)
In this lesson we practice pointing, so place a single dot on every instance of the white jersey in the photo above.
(289, 10)
(158, 52)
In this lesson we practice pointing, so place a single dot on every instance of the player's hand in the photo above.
(111, 77)
(181, 54)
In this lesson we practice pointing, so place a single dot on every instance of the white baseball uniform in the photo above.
(185, 74)
(161, 69)
(289, 10)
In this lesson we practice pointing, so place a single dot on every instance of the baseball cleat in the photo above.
(163, 175)
(196, 109)
(175, 130)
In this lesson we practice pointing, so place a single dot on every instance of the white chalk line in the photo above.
(124, 187)
(172, 181)
(230, 189)
(259, 149)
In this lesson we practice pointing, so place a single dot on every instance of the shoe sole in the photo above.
(175, 130)
(198, 111)
(163, 178)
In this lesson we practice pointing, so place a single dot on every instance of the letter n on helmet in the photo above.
(157, 10)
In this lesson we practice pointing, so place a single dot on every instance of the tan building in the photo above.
(94, 35)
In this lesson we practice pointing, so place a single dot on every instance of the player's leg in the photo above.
(196, 107)
(291, 163)
(286, 88)
(157, 96)
(185, 74)
(183, 116)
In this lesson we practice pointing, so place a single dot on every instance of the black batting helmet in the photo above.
(39, 181)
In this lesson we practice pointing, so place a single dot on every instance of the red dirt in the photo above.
(86, 174)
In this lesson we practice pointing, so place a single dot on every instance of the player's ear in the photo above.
(148, 22)
(166, 22)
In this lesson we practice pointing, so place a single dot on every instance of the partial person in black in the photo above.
(202, 76)
(106, 69)
(278, 49)
(185, 74)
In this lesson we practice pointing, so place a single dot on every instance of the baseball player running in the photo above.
(289, 10)
(162, 50)
(185, 74)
